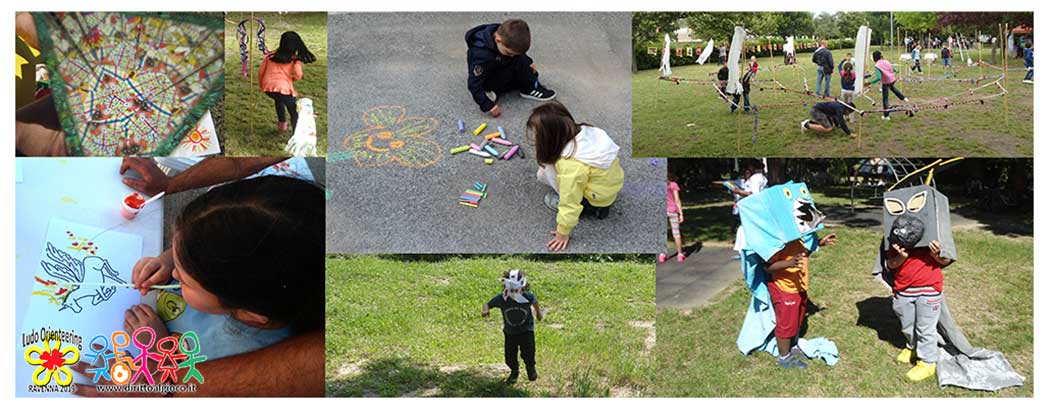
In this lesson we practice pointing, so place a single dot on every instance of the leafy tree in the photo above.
(825, 26)
(649, 27)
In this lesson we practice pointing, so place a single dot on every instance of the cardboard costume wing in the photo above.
(131, 84)
(778, 215)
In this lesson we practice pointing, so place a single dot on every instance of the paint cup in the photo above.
(131, 205)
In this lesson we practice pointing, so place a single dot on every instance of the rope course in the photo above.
(973, 95)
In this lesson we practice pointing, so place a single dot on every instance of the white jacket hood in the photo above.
(593, 147)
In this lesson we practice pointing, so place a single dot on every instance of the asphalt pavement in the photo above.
(417, 61)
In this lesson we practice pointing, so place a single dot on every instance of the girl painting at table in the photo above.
(249, 257)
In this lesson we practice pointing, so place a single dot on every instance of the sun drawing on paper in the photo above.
(72, 283)
(198, 140)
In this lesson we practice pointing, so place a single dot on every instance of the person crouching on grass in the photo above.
(518, 306)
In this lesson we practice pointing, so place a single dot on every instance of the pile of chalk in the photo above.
(472, 197)
(487, 150)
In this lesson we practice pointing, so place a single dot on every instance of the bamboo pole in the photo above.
(251, 79)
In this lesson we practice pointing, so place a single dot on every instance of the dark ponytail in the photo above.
(258, 245)
(291, 48)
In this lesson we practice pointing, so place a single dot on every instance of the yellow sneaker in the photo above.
(921, 371)
(905, 356)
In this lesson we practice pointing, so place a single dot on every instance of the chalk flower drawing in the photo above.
(67, 272)
(389, 136)
(52, 362)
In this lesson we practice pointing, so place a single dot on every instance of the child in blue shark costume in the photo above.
(772, 219)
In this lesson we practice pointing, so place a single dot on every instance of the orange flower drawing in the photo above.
(389, 136)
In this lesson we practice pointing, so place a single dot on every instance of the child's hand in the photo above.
(558, 243)
(150, 271)
(485, 312)
(901, 251)
(681, 217)
(799, 261)
(495, 111)
(142, 315)
(829, 240)
(935, 248)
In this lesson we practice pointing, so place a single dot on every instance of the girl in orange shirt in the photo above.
(277, 72)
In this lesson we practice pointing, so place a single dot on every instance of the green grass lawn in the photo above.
(990, 290)
(688, 120)
(413, 328)
(250, 120)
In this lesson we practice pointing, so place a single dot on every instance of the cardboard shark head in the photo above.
(778, 215)
(917, 215)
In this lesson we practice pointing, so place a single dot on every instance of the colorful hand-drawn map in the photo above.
(130, 83)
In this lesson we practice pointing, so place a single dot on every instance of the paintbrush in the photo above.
(158, 287)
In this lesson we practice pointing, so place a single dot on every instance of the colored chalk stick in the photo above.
(502, 142)
(475, 147)
(491, 150)
(463, 148)
(492, 135)
(488, 161)
(469, 205)
(474, 192)
(501, 133)
(479, 153)
(460, 124)
(480, 128)
(510, 152)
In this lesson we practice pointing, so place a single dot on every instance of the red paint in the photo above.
(134, 201)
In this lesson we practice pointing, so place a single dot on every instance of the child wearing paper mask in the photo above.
(918, 286)
(249, 257)
(580, 162)
(518, 306)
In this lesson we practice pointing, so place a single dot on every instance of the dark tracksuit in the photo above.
(835, 112)
(518, 328)
(723, 78)
(745, 82)
(488, 70)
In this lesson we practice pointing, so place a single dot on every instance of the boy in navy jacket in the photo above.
(497, 63)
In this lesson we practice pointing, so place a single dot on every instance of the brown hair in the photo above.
(515, 35)
(551, 127)
(258, 245)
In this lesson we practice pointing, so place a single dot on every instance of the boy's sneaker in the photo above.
(513, 377)
(662, 258)
(531, 372)
(921, 371)
(681, 258)
(791, 362)
(905, 356)
(905, 100)
(1028, 81)
(551, 201)
(539, 93)
(885, 117)
(491, 95)
(803, 125)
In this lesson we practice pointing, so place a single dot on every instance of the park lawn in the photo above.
(689, 120)
(990, 290)
(413, 328)
(251, 123)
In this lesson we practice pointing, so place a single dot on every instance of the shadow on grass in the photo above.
(400, 377)
(877, 314)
